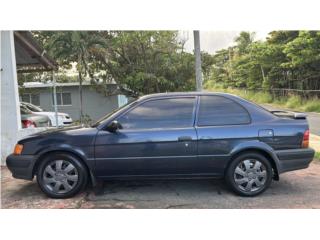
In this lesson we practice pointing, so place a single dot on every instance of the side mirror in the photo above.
(114, 126)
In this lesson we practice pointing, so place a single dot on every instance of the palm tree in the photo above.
(76, 46)
(243, 41)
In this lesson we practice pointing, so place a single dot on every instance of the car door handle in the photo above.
(184, 138)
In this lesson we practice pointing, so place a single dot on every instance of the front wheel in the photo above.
(61, 175)
(249, 174)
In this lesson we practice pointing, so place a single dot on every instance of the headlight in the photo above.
(18, 149)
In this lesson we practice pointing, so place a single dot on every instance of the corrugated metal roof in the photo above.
(30, 57)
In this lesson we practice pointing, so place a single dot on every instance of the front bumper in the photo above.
(21, 166)
(294, 159)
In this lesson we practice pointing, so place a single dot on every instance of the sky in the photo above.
(211, 41)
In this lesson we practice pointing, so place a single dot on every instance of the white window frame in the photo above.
(61, 98)
(30, 94)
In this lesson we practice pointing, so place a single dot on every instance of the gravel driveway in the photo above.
(299, 189)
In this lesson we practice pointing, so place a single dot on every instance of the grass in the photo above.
(312, 105)
(293, 102)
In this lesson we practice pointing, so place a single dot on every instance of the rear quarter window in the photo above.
(218, 110)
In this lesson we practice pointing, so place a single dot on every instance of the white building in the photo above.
(95, 104)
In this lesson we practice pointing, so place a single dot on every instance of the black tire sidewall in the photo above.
(82, 172)
(229, 177)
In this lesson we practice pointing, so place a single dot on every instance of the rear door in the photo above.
(155, 134)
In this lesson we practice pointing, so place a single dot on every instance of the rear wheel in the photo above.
(61, 175)
(249, 174)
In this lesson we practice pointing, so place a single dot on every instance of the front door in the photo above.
(154, 134)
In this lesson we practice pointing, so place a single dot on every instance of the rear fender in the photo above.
(259, 146)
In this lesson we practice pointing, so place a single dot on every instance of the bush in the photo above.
(312, 105)
(263, 97)
(294, 102)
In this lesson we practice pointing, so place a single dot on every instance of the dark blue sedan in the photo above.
(169, 135)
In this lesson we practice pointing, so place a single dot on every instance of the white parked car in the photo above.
(63, 118)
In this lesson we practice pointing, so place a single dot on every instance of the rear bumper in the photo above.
(21, 166)
(294, 159)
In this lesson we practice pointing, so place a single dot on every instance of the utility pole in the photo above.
(197, 53)
(55, 99)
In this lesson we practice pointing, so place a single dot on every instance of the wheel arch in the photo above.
(65, 151)
(266, 153)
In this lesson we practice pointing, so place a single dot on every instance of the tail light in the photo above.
(305, 141)
(28, 124)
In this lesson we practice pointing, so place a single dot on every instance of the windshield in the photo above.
(33, 108)
(101, 120)
(24, 110)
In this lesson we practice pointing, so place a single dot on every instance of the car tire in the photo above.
(61, 175)
(249, 174)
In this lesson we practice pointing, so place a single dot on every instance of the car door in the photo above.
(154, 134)
(221, 124)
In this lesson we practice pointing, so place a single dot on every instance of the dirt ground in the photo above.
(298, 189)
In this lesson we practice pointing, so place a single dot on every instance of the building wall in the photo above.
(95, 105)
(10, 114)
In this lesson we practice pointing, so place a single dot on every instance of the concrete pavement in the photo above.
(314, 121)
(315, 142)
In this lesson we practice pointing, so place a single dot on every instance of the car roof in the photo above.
(254, 109)
(178, 94)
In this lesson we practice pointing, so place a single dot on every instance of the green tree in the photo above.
(288, 59)
(140, 62)
(303, 54)
(243, 42)
(69, 47)
(143, 62)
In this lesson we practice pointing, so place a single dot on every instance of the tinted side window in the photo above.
(162, 113)
(217, 110)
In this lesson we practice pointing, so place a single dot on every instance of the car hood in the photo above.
(65, 132)
(59, 130)
(71, 139)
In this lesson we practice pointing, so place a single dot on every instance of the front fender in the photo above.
(71, 149)
(63, 147)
